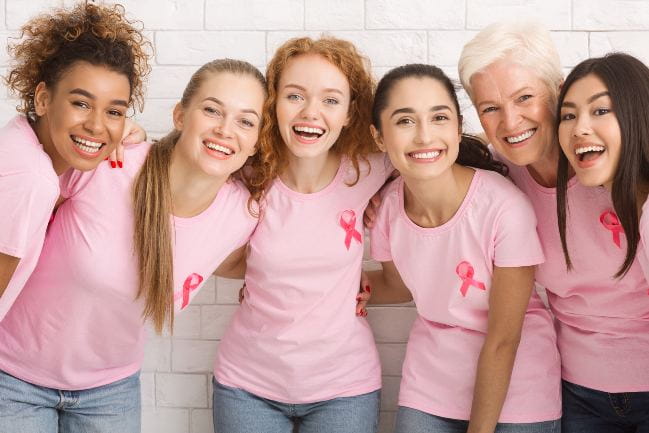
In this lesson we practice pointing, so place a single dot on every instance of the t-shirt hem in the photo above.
(520, 262)
(618, 388)
(11, 251)
(446, 413)
(352, 392)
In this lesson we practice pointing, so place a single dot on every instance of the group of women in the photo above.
(267, 179)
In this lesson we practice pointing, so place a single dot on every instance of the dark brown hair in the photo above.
(51, 43)
(627, 80)
(473, 152)
(152, 205)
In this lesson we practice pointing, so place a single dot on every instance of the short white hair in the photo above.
(527, 43)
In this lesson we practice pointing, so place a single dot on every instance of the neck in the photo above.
(42, 133)
(433, 202)
(309, 175)
(544, 171)
(192, 191)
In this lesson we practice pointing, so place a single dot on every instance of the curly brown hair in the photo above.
(354, 142)
(100, 35)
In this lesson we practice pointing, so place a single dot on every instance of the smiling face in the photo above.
(419, 128)
(220, 126)
(589, 132)
(513, 105)
(81, 119)
(313, 98)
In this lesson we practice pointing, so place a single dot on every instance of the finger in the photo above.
(120, 155)
(368, 217)
(112, 158)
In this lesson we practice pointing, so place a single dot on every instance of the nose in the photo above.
(93, 122)
(423, 133)
(309, 109)
(511, 118)
(581, 126)
(223, 127)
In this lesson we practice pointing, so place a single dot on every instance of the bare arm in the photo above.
(234, 266)
(511, 289)
(8, 265)
(387, 286)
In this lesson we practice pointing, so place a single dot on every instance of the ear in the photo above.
(178, 117)
(42, 98)
(376, 135)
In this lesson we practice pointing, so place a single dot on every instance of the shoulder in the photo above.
(500, 196)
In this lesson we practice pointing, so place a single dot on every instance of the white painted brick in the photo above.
(201, 421)
(147, 389)
(169, 81)
(414, 14)
(334, 14)
(210, 390)
(5, 59)
(166, 14)
(227, 290)
(572, 46)
(390, 393)
(207, 294)
(193, 356)
(444, 47)
(554, 14)
(157, 115)
(634, 43)
(181, 390)
(391, 355)
(386, 422)
(254, 14)
(610, 15)
(157, 355)
(275, 39)
(4, 90)
(215, 319)
(161, 420)
(2, 15)
(187, 323)
(197, 48)
(391, 324)
(18, 12)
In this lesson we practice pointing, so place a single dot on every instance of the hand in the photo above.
(133, 133)
(363, 296)
(371, 211)
(241, 293)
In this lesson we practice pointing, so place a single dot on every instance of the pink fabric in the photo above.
(602, 322)
(77, 324)
(29, 188)
(643, 247)
(296, 338)
(448, 270)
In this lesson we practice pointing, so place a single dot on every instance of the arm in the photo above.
(8, 265)
(511, 289)
(387, 286)
(234, 266)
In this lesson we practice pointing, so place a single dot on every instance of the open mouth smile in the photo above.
(516, 140)
(87, 146)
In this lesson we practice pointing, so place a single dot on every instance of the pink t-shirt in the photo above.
(448, 269)
(602, 322)
(29, 188)
(643, 247)
(77, 324)
(296, 338)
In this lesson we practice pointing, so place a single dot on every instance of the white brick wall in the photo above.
(176, 379)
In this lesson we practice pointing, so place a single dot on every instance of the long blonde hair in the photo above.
(152, 206)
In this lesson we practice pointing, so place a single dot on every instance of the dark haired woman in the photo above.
(76, 72)
(603, 131)
(460, 239)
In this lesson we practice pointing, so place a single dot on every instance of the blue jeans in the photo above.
(415, 421)
(31, 408)
(587, 410)
(238, 411)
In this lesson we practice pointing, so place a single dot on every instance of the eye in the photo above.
(81, 104)
(440, 117)
(294, 97)
(405, 121)
(116, 113)
(331, 101)
(567, 116)
(601, 111)
(247, 123)
(523, 98)
(489, 109)
(211, 110)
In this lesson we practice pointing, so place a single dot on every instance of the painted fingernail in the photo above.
(368, 289)
(112, 164)
(358, 298)
(106, 159)
(120, 164)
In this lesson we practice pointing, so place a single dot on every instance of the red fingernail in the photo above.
(368, 289)
(106, 159)
(120, 164)
(358, 298)
(112, 164)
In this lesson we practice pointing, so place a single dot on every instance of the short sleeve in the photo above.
(516, 241)
(73, 181)
(27, 203)
(380, 233)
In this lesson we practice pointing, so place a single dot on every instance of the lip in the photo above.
(426, 160)
(591, 162)
(304, 140)
(215, 153)
(83, 153)
(520, 143)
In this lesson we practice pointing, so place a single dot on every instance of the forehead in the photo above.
(416, 91)
(235, 90)
(585, 87)
(502, 79)
(97, 79)
(314, 72)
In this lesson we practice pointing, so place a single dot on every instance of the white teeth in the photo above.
(519, 138)
(426, 155)
(218, 147)
(581, 150)
(308, 130)
(84, 144)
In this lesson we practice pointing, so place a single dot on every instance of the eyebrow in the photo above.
(89, 95)
(481, 103)
(589, 100)
(411, 110)
(327, 90)
(219, 102)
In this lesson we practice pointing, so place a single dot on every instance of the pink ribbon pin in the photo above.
(191, 283)
(612, 223)
(348, 223)
(465, 271)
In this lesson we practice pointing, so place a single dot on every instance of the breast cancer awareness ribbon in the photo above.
(612, 223)
(465, 271)
(348, 223)
(191, 283)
